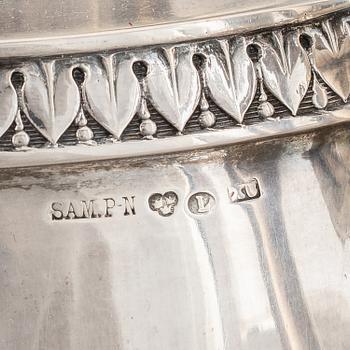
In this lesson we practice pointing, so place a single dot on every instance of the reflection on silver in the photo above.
(104, 90)
(175, 86)
(286, 69)
(330, 52)
(190, 195)
(172, 83)
(266, 273)
(230, 77)
(72, 26)
(8, 101)
(51, 98)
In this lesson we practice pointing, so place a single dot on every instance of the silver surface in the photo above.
(45, 27)
(217, 272)
(284, 77)
(120, 150)
(233, 239)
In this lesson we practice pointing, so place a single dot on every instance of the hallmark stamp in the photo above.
(93, 208)
(244, 192)
(198, 203)
(201, 203)
(163, 204)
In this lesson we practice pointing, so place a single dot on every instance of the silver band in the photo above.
(291, 74)
(90, 26)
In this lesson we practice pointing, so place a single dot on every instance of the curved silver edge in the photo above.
(169, 33)
(84, 153)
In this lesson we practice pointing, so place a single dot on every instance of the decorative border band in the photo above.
(177, 81)
(198, 141)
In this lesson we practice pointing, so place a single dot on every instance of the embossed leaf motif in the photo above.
(51, 97)
(112, 92)
(286, 69)
(330, 55)
(8, 101)
(231, 79)
(174, 86)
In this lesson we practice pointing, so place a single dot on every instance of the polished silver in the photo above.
(330, 45)
(265, 273)
(174, 175)
(175, 86)
(172, 83)
(71, 26)
(230, 76)
(51, 97)
(106, 96)
(286, 69)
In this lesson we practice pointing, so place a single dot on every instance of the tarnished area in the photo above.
(239, 247)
